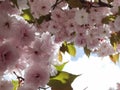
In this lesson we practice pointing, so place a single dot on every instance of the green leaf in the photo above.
(27, 15)
(74, 3)
(60, 57)
(60, 68)
(114, 58)
(109, 1)
(108, 19)
(119, 10)
(42, 18)
(64, 47)
(68, 47)
(71, 49)
(87, 51)
(115, 39)
(62, 81)
(15, 84)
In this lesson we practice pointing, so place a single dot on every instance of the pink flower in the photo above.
(42, 48)
(115, 8)
(25, 88)
(105, 49)
(58, 15)
(81, 42)
(8, 56)
(118, 48)
(24, 34)
(40, 7)
(104, 31)
(71, 13)
(92, 43)
(47, 42)
(61, 36)
(37, 76)
(70, 26)
(7, 25)
(43, 27)
(37, 53)
(117, 23)
(54, 27)
(118, 86)
(81, 17)
(22, 4)
(97, 14)
(81, 30)
(6, 85)
(8, 7)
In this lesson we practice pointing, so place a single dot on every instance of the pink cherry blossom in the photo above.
(80, 41)
(81, 17)
(118, 86)
(40, 7)
(43, 27)
(36, 53)
(117, 23)
(42, 48)
(115, 8)
(61, 36)
(71, 13)
(21, 65)
(24, 34)
(22, 4)
(70, 26)
(105, 49)
(58, 15)
(36, 76)
(8, 7)
(8, 56)
(92, 43)
(54, 27)
(25, 88)
(33, 47)
(6, 85)
(112, 27)
(81, 30)
(104, 31)
(7, 25)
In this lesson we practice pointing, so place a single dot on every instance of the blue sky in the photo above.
(79, 53)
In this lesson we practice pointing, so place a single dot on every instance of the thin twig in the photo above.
(18, 77)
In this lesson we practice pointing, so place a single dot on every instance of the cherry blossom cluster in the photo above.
(84, 27)
(32, 47)
(22, 48)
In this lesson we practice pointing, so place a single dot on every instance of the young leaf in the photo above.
(27, 15)
(114, 40)
(64, 48)
(109, 1)
(62, 81)
(15, 84)
(87, 51)
(71, 49)
(42, 18)
(60, 68)
(60, 56)
(108, 19)
(114, 58)
(74, 3)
